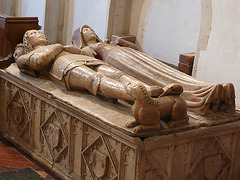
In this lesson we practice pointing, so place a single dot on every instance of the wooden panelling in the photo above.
(12, 30)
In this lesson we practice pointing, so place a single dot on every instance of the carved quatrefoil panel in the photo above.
(100, 160)
(55, 136)
(19, 112)
(212, 162)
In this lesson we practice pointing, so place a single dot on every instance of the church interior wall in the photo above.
(169, 28)
(163, 29)
(219, 62)
(93, 13)
(54, 20)
(34, 8)
(8, 7)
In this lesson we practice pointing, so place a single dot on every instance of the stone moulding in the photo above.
(71, 134)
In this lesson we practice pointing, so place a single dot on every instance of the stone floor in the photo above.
(12, 158)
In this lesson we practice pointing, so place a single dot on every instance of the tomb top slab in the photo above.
(105, 111)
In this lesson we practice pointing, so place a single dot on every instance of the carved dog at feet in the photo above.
(148, 111)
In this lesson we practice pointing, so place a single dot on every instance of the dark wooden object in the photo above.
(186, 63)
(12, 30)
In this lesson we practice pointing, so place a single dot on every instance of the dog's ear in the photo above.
(172, 89)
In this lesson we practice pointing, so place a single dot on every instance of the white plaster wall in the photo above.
(33, 8)
(93, 13)
(220, 62)
(7, 7)
(171, 28)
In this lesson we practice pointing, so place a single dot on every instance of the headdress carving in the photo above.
(78, 40)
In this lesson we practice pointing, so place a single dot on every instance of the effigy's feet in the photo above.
(172, 89)
(221, 99)
(155, 91)
(228, 108)
(129, 89)
(215, 107)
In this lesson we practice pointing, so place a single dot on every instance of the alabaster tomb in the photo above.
(85, 119)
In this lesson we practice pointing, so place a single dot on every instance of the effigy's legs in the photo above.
(125, 79)
(83, 77)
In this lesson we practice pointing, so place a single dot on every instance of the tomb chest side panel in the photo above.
(16, 112)
(210, 153)
(63, 139)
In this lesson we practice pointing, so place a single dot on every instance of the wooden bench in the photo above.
(12, 30)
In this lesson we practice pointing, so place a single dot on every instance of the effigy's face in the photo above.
(37, 38)
(89, 35)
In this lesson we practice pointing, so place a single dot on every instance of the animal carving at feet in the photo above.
(148, 111)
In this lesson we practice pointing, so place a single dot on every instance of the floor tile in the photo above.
(10, 163)
(8, 150)
(6, 169)
(20, 174)
(15, 157)
(12, 158)
(33, 166)
(3, 145)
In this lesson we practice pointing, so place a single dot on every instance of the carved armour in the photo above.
(68, 62)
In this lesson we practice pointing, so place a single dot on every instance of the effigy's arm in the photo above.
(84, 51)
(23, 64)
(88, 51)
(39, 59)
(125, 43)
(72, 49)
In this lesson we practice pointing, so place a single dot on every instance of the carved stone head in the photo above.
(83, 35)
(33, 38)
